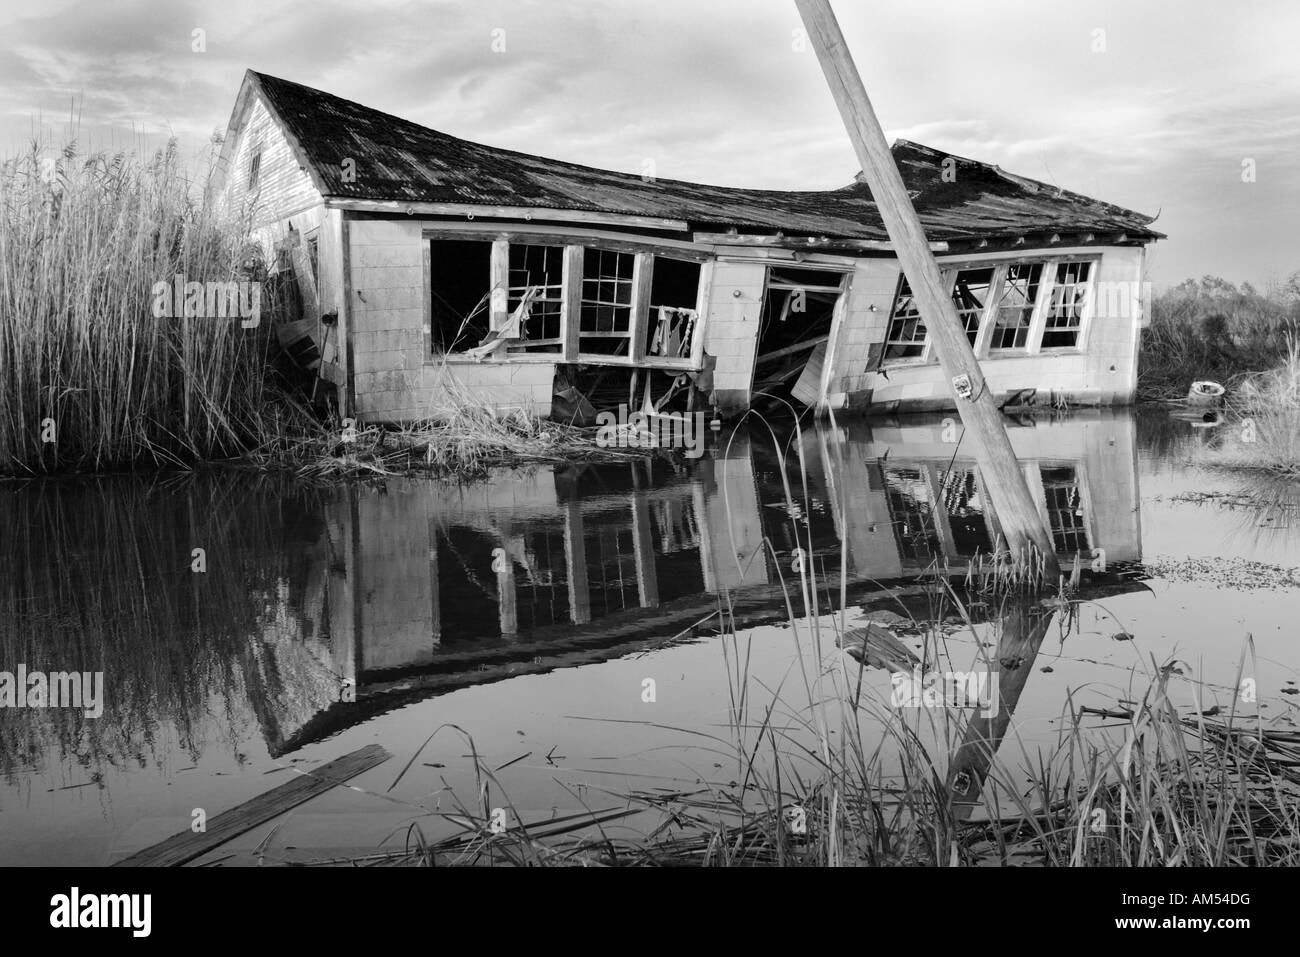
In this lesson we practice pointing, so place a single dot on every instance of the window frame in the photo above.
(554, 293)
(633, 283)
(1038, 316)
(255, 169)
(994, 306)
(1085, 316)
(924, 342)
(574, 255)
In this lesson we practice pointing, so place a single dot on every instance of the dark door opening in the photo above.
(794, 334)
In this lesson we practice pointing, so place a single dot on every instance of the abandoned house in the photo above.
(431, 269)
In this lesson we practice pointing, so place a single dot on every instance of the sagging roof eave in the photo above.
(1036, 239)
(1035, 185)
(1107, 219)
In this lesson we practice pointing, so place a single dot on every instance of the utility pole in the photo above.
(1021, 523)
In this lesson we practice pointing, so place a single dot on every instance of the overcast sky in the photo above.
(1156, 113)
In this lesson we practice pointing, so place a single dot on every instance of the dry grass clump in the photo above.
(1263, 432)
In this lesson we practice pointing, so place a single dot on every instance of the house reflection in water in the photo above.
(555, 567)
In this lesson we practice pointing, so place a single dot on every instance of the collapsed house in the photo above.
(433, 269)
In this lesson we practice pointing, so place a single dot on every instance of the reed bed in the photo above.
(1209, 328)
(1149, 783)
(1263, 429)
(99, 576)
(1002, 572)
(93, 379)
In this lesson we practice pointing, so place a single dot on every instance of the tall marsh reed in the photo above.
(93, 380)
(1263, 431)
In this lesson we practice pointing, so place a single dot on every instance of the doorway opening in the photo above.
(794, 334)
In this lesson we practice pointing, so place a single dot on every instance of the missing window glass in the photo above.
(541, 269)
(674, 294)
(906, 336)
(970, 294)
(1015, 306)
(1065, 311)
(460, 276)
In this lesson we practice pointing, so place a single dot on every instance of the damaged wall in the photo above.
(731, 329)
(1105, 372)
(396, 378)
(392, 381)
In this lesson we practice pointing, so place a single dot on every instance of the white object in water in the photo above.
(1205, 393)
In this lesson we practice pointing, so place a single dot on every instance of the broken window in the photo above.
(313, 257)
(541, 270)
(809, 280)
(970, 292)
(906, 336)
(1015, 306)
(460, 279)
(1064, 508)
(1065, 310)
(674, 295)
(254, 170)
(605, 321)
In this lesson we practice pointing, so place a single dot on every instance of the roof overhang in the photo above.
(526, 213)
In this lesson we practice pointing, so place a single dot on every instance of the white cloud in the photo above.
(714, 91)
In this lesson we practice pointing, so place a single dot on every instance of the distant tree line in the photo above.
(1209, 328)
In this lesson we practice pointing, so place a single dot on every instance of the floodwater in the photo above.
(567, 619)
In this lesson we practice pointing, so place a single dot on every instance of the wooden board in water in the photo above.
(186, 846)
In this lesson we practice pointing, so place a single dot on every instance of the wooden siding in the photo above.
(283, 187)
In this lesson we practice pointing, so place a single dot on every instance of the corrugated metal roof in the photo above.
(397, 160)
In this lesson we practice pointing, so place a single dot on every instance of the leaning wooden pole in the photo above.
(1021, 522)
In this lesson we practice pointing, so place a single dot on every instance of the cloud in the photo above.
(719, 92)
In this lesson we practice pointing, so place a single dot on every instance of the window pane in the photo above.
(605, 318)
(1065, 312)
(1015, 306)
(970, 291)
(537, 271)
(460, 274)
(674, 292)
(906, 336)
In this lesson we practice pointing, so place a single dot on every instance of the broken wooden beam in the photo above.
(305, 277)
(186, 846)
(1022, 525)
(791, 350)
(803, 242)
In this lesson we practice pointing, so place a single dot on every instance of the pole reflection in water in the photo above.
(322, 608)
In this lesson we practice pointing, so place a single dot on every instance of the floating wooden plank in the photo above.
(878, 647)
(808, 386)
(184, 847)
(975, 403)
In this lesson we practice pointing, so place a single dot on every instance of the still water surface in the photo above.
(531, 609)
